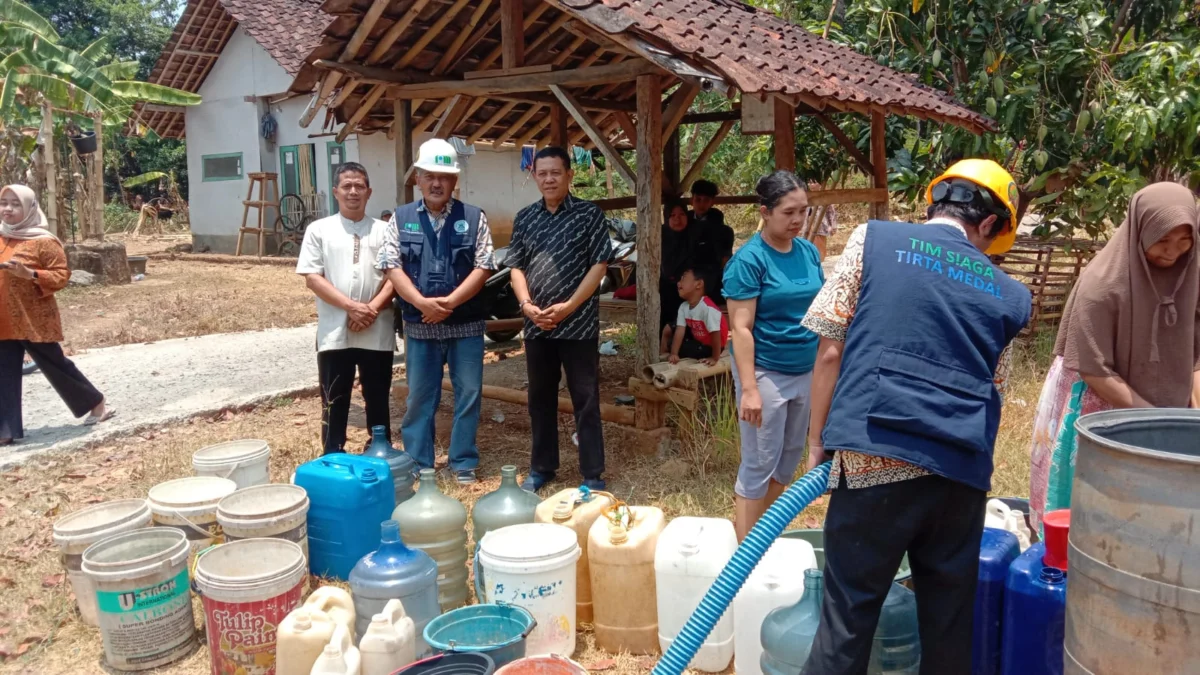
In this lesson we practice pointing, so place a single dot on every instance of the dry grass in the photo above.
(183, 299)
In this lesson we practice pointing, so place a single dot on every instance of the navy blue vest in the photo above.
(916, 384)
(439, 262)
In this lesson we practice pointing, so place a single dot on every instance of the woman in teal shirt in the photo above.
(769, 283)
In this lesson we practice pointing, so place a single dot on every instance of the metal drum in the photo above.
(1133, 591)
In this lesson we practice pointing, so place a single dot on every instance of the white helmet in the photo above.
(437, 156)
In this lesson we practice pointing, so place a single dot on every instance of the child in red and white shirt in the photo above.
(701, 331)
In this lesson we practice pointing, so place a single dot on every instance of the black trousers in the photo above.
(74, 389)
(335, 370)
(545, 360)
(691, 348)
(867, 531)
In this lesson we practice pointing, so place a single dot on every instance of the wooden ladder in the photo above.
(261, 204)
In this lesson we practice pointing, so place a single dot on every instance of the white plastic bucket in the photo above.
(74, 533)
(191, 505)
(143, 605)
(244, 462)
(248, 588)
(533, 566)
(275, 511)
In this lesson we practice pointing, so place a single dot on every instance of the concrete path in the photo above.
(153, 384)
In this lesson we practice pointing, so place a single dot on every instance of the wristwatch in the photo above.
(521, 304)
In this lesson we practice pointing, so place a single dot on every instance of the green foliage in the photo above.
(134, 30)
(148, 177)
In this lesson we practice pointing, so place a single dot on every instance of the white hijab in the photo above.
(34, 225)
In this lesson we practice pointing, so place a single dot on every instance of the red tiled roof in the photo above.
(287, 29)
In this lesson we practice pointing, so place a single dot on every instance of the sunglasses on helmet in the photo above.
(960, 191)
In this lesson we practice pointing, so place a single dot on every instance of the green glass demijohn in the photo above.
(437, 524)
(399, 462)
(788, 632)
(506, 505)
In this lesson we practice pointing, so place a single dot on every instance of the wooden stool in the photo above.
(262, 204)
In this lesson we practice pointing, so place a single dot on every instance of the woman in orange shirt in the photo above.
(33, 266)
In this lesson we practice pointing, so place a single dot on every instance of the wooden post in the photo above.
(558, 126)
(402, 111)
(649, 211)
(50, 164)
(785, 135)
(97, 178)
(879, 210)
(671, 169)
(512, 33)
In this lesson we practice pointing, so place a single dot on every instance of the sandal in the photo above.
(93, 420)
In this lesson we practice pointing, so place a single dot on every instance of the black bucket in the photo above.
(85, 142)
(453, 663)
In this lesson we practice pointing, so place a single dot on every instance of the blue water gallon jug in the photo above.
(997, 552)
(401, 465)
(395, 572)
(787, 632)
(896, 649)
(349, 496)
(1035, 605)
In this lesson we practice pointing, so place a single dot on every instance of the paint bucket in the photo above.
(466, 663)
(533, 565)
(142, 600)
(243, 462)
(248, 588)
(274, 511)
(552, 664)
(191, 505)
(74, 533)
(498, 630)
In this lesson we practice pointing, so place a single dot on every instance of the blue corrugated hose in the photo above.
(768, 528)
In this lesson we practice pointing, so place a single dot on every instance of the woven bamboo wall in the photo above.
(1049, 269)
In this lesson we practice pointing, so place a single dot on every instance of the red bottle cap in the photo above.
(1057, 524)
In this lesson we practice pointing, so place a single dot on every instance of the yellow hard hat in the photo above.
(996, 180)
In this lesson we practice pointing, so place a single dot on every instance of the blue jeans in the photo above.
(424, 360)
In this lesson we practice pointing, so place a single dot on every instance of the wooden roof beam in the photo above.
(487, 61)
(375, 74)
(394, 31)
(569, 51)
(677, 106)
(491, 121)
(428, 36)
(458, 111)
(521, 121)
(614, 73)
(545, 34)
(447, 59)
(433, 116)
(472, 42)
(512, 33)
(363, 31)
(364, 107)
(598, 137)
(533, 131)
(627, 125)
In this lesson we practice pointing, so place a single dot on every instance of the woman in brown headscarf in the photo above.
(1129, 335)
(33, 266)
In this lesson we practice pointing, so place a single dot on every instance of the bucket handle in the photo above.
(478, 569)
(235, 467)
(192, 572)
(193, 526)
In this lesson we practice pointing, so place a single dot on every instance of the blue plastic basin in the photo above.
(496, 630)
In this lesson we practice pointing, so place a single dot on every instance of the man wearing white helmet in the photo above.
(438, 254)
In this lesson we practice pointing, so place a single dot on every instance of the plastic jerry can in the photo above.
(777, 581)
(577, 508)
(300, 640)
(896, 649)
(437, 524)
(691, 552)
(1035, 606)
(340, 656)
(997, 551)
(506, 505)
(335, 602)
(390, 641)
(402, 466)
(396, 572)
(349, 496)
(625, 613)
(788, 632)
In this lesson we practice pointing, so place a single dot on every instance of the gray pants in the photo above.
(774, 450)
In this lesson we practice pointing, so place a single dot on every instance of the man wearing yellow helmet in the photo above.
(914, 323)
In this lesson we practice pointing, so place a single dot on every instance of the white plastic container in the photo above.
(337, 603)
(191, 505)
(691, 553)
(272, 510)
(248, 588)
(777, 581)
(75, 532)
(340, 656)
(143, 605)
(390, 642)
(301, 639)
(244, 462)
(533, 566)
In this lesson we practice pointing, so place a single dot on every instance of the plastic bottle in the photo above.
(507, 505)
(691, 553)
(300, 640)
(390, 641)
(997, 550)
(340, 656)
(777, 581)
(1035, 604)
(788, 632)
(401, 464)
(335, 602)
(577, 508)
(396, 572)
(437, 524)
(896, 649)
(625, 616)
